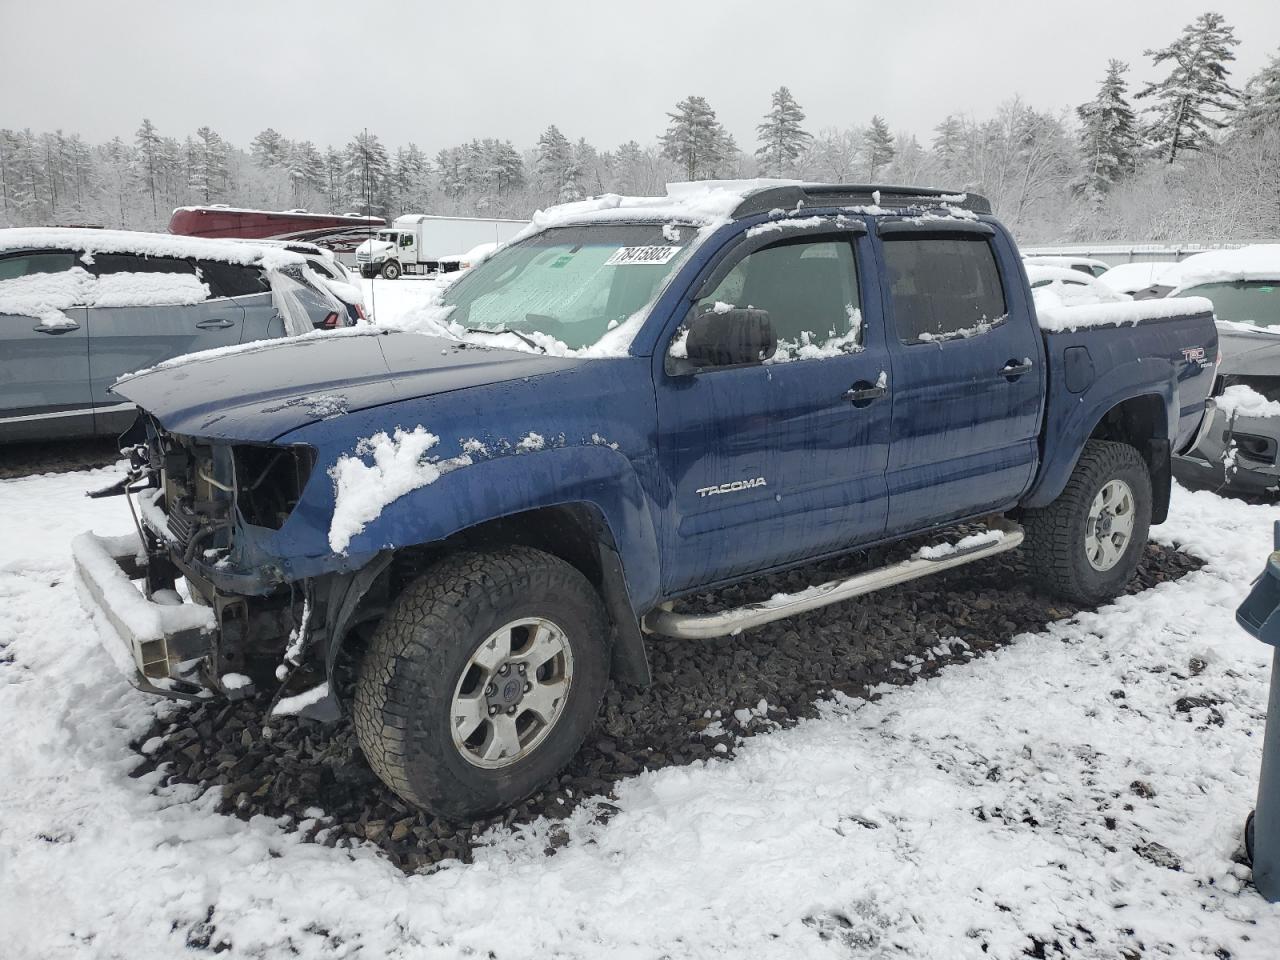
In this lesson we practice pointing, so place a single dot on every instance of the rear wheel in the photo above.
(1086, 545)
(391, 270)
(482, 680)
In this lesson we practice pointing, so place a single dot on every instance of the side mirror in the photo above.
(738, 336)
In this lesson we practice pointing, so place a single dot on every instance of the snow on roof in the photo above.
(1261, 261)
(89, 242)
(224, 208)
(1061, 260)
(1038, 271)
(1059, 319)
(1131, 277)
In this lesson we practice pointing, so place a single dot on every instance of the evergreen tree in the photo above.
(335, 189)
(1260, 110)
(207, 165)
(507, 169)
(1108, 134)
(269, 149)
(782, 138)
(367, 171)
(148, 143)
(555, 166)
(948, 141)
(306, 170)
(1186, 101)
(879, 146)
(696, 140)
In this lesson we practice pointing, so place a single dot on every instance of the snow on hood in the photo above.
(373, 246)
(1261, 261)
(90, 242)
(46, 295)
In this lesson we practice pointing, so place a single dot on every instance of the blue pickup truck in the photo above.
(473, 523)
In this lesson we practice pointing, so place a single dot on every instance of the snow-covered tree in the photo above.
(305, 166)
(367, 172)
(879, 146)
(1259, 111)
(556, 168)
(1108, 134)
(269, 149)
(782, 138)
(948, 141)
(207, 165)
(696, 140)
(834, 155)
(1188, 103)
(148, 144)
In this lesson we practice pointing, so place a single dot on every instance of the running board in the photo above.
(1001, 535)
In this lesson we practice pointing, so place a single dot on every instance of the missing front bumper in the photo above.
(152, 643)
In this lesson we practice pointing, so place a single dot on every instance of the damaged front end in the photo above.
(200, 604)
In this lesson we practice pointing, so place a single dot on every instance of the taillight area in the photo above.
(360, 313)
(330, 322)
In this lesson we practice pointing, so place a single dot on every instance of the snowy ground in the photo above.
(389, 300)
(1083, 789)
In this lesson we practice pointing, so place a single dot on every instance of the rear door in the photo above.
(150, 309)
(775, 462)
(44, 354)
(247, 288)
(967, 376)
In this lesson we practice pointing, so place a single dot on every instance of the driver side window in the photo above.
(809, 288)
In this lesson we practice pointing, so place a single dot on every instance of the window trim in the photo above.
(921, 232)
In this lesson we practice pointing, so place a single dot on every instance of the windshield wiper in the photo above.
(500, 330)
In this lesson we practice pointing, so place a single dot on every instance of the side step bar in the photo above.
(1001, 535)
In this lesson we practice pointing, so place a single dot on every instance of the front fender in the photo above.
(490, 488)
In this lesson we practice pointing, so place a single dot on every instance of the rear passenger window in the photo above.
(25, 264)
(232, 279)
(943, 287)
(108, 263)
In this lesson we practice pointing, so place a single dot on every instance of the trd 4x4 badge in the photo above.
(1194, 355)
(732, 487)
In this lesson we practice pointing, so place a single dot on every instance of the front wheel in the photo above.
(391, 271)
(1086, 545)
(482, 680)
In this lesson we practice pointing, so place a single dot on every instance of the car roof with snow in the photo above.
(1131, 277)
(1039, 273)
(1259, 261)
(90, 241)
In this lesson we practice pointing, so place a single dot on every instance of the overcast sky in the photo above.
(442, 73)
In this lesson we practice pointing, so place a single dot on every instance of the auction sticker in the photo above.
(629, 255)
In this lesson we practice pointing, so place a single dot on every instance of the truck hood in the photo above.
(258, 394)
(372, 247)
(1249, 350)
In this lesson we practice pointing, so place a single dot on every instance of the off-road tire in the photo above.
(1055, 535)
(409, 673)
(391, 271)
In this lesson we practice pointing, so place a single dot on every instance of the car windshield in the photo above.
(1255, 302)
(571, 283)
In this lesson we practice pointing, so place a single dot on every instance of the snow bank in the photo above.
(1060, 319)
(1243, 401)
(91, 242)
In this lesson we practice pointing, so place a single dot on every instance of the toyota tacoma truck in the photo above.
(472, 522)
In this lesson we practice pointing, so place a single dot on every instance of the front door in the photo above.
(775, 462)
(44, 347)
(967, 377)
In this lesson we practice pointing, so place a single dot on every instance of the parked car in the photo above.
(1094, 268)
(641, 400)
(1061, 286)
(79, 308)
(1239, 446)
(1134, 278)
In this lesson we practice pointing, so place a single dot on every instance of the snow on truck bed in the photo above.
(1075, 788)
(1127, 313)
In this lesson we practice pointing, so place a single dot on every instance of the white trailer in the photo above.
(420, 243)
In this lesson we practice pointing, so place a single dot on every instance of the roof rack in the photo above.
(793, 197)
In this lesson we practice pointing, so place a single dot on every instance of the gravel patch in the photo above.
(706, 696)
(56, 456)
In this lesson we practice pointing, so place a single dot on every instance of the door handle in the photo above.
(215, 324)
(60, 328)
(1016, 368)
(863, 392)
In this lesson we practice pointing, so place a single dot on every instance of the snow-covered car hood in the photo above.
(258, 394)
(373, 246)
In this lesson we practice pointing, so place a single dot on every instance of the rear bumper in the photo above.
(1210, 463)
(154, 644)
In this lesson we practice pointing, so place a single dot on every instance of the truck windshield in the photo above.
(1255, 302)
(571, 283)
